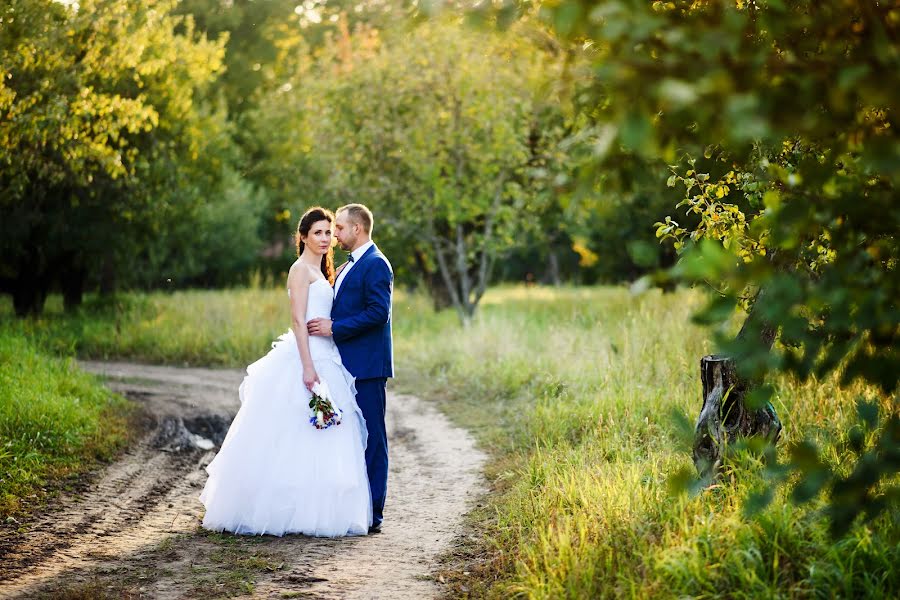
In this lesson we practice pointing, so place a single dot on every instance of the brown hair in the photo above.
(359, 214)
(311, 216)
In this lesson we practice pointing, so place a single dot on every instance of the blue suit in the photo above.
(361, 327)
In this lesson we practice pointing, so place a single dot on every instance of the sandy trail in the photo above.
(134, 531)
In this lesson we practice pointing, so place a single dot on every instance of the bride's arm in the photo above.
(298, 282)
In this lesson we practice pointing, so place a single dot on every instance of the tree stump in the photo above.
(724, 416)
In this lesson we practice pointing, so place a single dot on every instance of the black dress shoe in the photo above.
(375, 528)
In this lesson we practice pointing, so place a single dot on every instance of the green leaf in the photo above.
(810, 486)
(805, 455)
(868, 413)
(644, 254)
(707, 260)
(682, 427)
(636, 131)
(757, 501)
(718, 310)
(759, 397)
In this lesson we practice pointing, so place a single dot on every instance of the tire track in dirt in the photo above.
(135, 529)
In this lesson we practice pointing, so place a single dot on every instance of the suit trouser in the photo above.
(371, 396)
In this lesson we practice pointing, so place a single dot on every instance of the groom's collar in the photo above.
(358, 253)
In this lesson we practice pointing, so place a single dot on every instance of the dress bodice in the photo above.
(318, 305)
(320, 299)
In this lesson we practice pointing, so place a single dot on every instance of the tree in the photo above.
(431, 128)
(267, 45)
(784, 117)
(105, 139)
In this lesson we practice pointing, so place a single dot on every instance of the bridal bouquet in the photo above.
(323, 412)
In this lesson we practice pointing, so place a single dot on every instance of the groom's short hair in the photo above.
(359, 214)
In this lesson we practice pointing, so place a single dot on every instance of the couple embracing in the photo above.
(278, 470)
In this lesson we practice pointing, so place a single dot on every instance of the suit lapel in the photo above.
(354, 271)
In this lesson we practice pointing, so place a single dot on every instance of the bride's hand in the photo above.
(310, 378)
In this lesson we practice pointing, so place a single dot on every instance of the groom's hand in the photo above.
(319, 326)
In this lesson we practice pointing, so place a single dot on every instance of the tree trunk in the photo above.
(72, 282)
(107, 277)
(724, 416)
(552, 275)
(440, 297)
(29, 293)
(437, 289)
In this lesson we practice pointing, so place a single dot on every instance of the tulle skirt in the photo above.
(275, 472)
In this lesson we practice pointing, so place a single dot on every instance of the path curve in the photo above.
(135, 529)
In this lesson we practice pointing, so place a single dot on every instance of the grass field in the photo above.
(571, 391)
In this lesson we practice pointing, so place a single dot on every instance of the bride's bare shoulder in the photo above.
(299, 273)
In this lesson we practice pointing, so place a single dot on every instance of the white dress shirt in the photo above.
(356, 254)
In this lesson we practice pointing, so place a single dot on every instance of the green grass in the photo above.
(55, 422)
(571, 391)
(196, 327)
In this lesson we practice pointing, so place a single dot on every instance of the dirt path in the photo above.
(134, 532)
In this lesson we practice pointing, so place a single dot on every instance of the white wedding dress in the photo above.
(276, 473)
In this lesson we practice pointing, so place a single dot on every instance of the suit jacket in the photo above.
(361, 317)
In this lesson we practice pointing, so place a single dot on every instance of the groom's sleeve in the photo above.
(378, 305)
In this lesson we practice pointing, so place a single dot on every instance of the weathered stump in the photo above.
(724, 416)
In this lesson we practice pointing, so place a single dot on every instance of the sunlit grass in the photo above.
(571, 390)
(574, 390)
(192, 327)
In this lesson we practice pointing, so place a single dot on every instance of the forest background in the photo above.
(748, 149)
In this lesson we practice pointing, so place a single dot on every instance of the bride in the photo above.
(276, 473)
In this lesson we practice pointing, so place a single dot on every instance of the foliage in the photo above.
(262, 38)
(267, 48)
(785, 115)
(107, 140)
(137, 130)
(442, 130)
(218, 246)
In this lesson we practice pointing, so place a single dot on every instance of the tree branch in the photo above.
(487, 258)
(462, 267)
(444, 269)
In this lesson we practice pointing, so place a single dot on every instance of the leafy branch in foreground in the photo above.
(787, 116)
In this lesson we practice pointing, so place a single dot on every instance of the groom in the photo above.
(361, 326)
